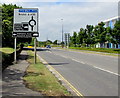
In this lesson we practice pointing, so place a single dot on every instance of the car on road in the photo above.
(30, 46)
(48, 46)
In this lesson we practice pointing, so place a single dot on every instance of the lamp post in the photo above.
(62, 33)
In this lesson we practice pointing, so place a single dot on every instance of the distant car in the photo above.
(48, 46)
(30, 46)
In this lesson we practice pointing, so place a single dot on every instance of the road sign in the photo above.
(25, 22)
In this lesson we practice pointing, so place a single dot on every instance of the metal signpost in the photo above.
(25, 25)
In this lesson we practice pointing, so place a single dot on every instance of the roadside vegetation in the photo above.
(94, 35)
(7, 56)
(7, 50)
(107, 50)
(40, 79)
(6, 35)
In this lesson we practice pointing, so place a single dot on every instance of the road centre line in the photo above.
(49, 51)
(106, 70)
(78, 61)
(98, 68)
(61, 55)
(70, 85)
(94, 66)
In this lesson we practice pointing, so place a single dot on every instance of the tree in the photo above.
(74, 39)
(55, 42)
(116, 32)
(109, 35)
(7, 26)
(49, 42)
(100, 34)
(80, 37)
(90, 35)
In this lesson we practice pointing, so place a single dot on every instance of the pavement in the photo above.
(12, 79)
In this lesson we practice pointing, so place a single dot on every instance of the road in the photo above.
(90, 74)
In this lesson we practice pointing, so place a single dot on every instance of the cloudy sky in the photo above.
(76, 14)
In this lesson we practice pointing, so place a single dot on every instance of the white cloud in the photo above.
(74, 14)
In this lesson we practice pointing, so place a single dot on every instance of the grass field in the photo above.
(39, 78)
(7, 50)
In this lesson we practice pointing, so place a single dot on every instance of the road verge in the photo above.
(39, 78)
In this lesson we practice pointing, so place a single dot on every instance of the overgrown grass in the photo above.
(39, 78)
(107, 50)
(7, 50)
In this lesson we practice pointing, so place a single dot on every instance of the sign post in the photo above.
(35, 51)
(15, 51)
(25, 25)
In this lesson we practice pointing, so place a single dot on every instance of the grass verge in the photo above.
(40, 79)
(107, 50)
(7, 50)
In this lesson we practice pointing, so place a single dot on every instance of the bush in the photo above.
(7, 59)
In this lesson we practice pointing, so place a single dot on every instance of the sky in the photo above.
(76, 14)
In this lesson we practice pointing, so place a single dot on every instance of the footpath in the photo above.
(12, 80)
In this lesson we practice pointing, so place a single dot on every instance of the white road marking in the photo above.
(89, 64)
(64, 56)
(49, 51)
(61, 55)
(106, 70)
(98, 68)
(78, 61)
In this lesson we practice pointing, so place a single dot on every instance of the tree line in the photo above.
(92, 35)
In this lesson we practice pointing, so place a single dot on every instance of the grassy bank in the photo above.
(39, 78)
(7, 50)
(8, 56)
(107, 50)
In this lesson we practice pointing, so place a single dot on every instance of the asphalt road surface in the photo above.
(90, 74)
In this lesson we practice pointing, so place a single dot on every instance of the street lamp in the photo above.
(62, 32)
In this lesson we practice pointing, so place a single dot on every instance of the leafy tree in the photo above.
(49, 42)
(55, 42)
(80, 37)
(74, 39)
(100, 34)
(109, 35)
(116, 32)
(90, 35)
(7, 26)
